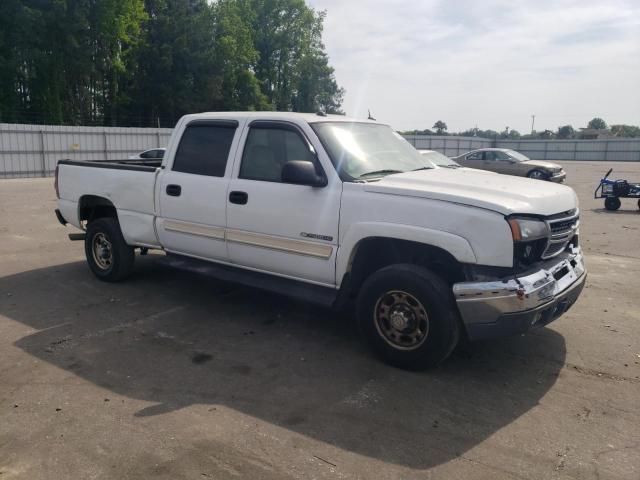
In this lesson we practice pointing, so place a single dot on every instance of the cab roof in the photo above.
(307, 117)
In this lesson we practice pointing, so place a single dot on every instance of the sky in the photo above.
(490, 63)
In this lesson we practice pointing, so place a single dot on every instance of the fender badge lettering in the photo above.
(326, 238)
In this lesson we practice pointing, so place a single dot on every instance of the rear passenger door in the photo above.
(491, 162)
(193, 190)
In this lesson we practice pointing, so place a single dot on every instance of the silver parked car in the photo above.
(510, 162)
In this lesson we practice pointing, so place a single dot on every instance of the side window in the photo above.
(204, 149)
(491, 156)
(502, 156)
(475, 156)
(266, 151)
(151, 154)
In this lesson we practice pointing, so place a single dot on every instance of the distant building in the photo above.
(595, 134)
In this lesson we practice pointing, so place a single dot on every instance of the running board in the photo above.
(316, 294)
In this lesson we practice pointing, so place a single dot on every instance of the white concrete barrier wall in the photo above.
(33, 150)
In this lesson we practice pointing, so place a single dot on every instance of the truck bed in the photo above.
(128, 184)
(147, 165)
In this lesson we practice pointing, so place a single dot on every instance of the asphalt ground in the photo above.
(173, 375)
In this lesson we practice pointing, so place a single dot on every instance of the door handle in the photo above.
(240, 198)
(174, 190)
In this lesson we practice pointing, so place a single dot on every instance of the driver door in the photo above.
(506, 164)
(276, 227)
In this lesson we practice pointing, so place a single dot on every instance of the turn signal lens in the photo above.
(515, 230)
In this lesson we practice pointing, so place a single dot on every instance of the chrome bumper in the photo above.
(558, 177)
(516, 304)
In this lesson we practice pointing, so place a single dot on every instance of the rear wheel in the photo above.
(108, 255)
(537, 175)
(408, 316)
(612, 203)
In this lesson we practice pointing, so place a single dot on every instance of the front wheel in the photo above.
(612, 203)
(108, 255)
(537, 175)
(408, 316)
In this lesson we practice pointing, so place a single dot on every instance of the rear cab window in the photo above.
(204, 147)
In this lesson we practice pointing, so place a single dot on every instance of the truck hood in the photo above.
(500, 193)
(543, 164)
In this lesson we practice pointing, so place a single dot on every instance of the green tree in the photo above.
(628, 131)
(136, 61)
(235, 57)
(440, 127)
(315, 85)
(566, 131)
(176, 64)
(292, 66)
(597, 124)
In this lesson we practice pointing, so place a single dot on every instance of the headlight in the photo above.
(529, 239)
(527, 229)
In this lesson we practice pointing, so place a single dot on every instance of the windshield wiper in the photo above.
(422, 168)
(380, 172)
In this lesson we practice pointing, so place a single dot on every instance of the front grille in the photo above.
(561, 226)
(562, 229)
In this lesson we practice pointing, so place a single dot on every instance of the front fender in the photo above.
(456, 245)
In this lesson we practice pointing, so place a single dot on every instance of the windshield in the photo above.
(439, 159)
(368, 151)
(517, 156)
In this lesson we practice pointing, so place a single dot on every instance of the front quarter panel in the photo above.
(472, 235)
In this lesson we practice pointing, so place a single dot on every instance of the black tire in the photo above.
(612, 203)
(537, 175)
(113, 263)
(638, 204)
(435, 300)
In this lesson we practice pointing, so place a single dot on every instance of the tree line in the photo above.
(562, 133)
(148, 62)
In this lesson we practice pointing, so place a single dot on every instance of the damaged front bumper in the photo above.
(518, 303)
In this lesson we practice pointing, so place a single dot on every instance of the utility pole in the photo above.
(533, 123)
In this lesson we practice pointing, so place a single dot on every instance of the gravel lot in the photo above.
(172, 375)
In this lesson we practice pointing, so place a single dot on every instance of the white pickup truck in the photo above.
(337, 210)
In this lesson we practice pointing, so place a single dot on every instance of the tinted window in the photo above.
(475, 156)
(204, 150)
(268, 149)
(152, 154)
(490, 156)
(502, 156)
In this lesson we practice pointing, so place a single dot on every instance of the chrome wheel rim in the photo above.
(102, 251)
(536, 175)
(401, 320)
